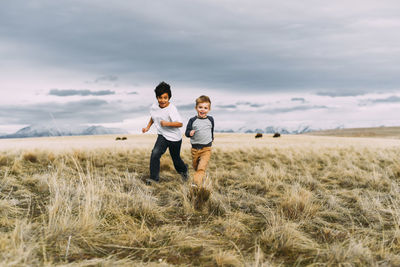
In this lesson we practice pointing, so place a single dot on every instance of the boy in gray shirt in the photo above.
(200, 129)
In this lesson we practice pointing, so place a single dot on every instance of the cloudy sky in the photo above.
(280, 63)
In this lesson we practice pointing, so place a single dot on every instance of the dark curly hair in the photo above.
(163, 88)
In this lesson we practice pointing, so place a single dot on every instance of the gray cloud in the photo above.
(191, 106)
(335, 93)
(369, 102)
(277, 110)
(226, 106)
(85, 111)
(390, 99)
(298, 99)
(330, 45)
(291, 109)
(71, 92)
(186, 107)
(253, 105)
(107, 78)
(132, 93)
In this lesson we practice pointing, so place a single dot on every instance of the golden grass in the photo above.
(297, 200)
(380, 132)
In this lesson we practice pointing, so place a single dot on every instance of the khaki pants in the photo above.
(200, 158)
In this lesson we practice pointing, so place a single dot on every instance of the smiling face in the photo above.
(202, 109)
(163, 100)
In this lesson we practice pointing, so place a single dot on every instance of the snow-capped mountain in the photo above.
(271, 129)
(100, 130)
(65, 130)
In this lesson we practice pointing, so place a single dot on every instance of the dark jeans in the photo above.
(159, 149)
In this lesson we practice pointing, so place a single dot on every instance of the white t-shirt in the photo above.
(169, 114)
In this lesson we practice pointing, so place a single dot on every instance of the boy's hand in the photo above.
(145, 130)
(192, 132)
(163, 123)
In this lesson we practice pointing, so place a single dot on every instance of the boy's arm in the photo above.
(212, 127)
(189, 127)
(176, 120)
(171, 124)
(148, 126)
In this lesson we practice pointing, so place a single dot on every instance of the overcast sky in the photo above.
(280, 63)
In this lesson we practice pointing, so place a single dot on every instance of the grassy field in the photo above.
(295, 200)
(380, 132)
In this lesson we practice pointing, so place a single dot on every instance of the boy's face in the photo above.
(203, 109)
(163, 100)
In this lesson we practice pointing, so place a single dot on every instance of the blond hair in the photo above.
(203, 99)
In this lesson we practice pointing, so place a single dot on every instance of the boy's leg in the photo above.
(158, 150)
(204, 157)
(175, 151)
(195, 158)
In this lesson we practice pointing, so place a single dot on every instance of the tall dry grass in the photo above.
(269, 206)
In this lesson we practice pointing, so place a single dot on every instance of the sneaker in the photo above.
(185, 175)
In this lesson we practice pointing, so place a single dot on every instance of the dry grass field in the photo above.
(296, 200)
(380, 132)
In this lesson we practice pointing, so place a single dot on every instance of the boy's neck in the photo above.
(202, 117)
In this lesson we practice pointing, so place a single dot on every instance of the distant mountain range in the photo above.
(66, 130)
(272, 129)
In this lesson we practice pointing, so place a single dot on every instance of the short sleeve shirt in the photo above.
(169, 114)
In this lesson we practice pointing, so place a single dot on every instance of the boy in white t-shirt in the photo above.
(167, 120)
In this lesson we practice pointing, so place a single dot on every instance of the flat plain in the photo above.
(295, 200)
(379, 132)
